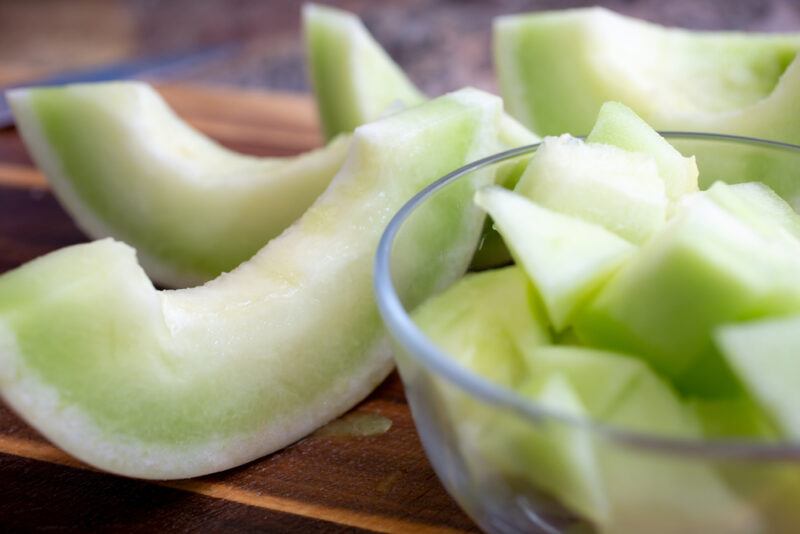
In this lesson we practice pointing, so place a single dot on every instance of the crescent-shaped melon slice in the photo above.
(172, 384)
(557, 68)
(356, 81)
(124, 165)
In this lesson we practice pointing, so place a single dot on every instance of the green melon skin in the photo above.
(765, 355)
(124, 165)
(710, 266)
(557, 68)
(566, 258)
(605, 185)
(619, 126)
(174, 384)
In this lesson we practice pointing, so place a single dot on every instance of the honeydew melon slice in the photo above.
(619, 126)
(765, 355)
(707, 268)
(557, 68)
(354, 78)
(355, 81)
(176, 384)
(619, 190)
(124, 165)
(567, 259)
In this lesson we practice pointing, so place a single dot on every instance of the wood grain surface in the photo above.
(323, 483)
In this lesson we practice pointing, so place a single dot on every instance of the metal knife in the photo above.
(150, 66)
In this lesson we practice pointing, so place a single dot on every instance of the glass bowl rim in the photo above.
(400, 326)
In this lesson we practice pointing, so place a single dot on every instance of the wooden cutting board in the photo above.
(329, 482)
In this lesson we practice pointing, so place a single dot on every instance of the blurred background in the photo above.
(45, 36)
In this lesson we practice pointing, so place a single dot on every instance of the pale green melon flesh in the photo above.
(739, 417)
(124, 165)
(638, 489)
(567, 259)
(487, 322)
(180, 383)
(619, 126)
(600, 378)
(661, 492)
(708, 267)
(766, 357)
(602, 184)
(354, 79)
(557, 68)
(760, 206)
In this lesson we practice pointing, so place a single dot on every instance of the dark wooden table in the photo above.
(328, 481)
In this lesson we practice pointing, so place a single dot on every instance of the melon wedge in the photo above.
(566, 258)
(354, 78)
(180, 383)
(355, 81)
(124, 165)
(557, 68)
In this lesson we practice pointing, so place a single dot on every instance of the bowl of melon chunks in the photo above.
(636, 366)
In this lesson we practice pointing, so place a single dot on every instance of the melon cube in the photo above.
(566, 258)
(765, 355)
(487, 321)
(619, 126)
(602, 184)
(707, 268)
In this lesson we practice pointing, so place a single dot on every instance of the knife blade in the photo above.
(148, 66)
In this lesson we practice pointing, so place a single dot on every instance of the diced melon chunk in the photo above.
(622, 488)
(619, 126)
(566, 258)
(765, 355)
(619, 190)
(600, 378)
(487, 322)
(758, 205)
(707, 268)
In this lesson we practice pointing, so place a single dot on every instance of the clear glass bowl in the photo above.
(482, 439)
